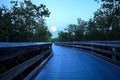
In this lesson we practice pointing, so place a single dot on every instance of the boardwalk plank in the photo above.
(71, 64)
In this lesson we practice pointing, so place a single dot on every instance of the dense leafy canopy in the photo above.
(24, 22)
(105, 25)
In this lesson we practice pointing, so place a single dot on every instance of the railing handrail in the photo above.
(106, 48)
(107, 41)
(94, 43)
(21, 44)
(17, 49)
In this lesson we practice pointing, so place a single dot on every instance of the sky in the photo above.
(65, 12)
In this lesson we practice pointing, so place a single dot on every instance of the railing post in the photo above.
(42, 54)
(50, 47)
(73, 45)
(114, 57)
(91, 47)
(80, 46)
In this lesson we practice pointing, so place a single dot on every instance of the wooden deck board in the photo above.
(72, 64)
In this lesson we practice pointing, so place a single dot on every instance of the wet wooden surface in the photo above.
(73, 64)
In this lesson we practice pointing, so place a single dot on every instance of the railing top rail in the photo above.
(103, 44)
(111, 42)
(16, 49)
(22, 44)
(97, 43)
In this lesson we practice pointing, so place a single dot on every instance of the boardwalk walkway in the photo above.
(72, 64)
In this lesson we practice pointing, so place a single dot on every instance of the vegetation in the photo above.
(24, 22)
(105, 25)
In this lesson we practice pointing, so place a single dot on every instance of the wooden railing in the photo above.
(108, 50)
(23, 60)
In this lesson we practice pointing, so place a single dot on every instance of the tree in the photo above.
(41, 32)
(110, 14)
(25, 21)
(64, 36)
(5, 24)
(77, 30)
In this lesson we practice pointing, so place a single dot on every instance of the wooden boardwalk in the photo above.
(73, 64)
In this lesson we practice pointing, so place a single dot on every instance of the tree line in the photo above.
(105, 25)
(24, 22)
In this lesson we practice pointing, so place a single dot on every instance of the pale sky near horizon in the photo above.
(65, 12)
